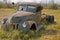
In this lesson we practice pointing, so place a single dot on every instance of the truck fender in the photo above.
(31, 23)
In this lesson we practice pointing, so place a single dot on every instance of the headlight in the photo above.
(24, 24)
(4, 20)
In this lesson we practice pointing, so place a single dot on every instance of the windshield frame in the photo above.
(26, 8)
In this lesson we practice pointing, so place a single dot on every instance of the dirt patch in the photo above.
(5, 14)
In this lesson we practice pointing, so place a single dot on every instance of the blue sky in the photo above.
(56, 1)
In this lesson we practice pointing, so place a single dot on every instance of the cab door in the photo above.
(37, 18)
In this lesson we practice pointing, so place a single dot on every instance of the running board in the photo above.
(39, 27)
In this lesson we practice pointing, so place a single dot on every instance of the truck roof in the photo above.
(30, 3)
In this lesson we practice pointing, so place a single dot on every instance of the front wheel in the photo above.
(25, 27)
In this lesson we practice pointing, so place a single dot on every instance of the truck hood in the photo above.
(22, 13)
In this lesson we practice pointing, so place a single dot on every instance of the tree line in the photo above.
(51, 5)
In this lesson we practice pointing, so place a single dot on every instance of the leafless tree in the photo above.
(53, 4)
(5, 1)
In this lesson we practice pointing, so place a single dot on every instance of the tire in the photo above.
(25, 27)
(50, 19)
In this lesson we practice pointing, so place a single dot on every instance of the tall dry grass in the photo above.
(50, 32)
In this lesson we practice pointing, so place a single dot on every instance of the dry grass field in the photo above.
(51, 32)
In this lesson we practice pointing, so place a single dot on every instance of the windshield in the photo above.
(27, 8)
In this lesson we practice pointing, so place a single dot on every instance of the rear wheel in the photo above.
(50, 19)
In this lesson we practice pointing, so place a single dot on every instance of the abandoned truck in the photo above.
(28, 17)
